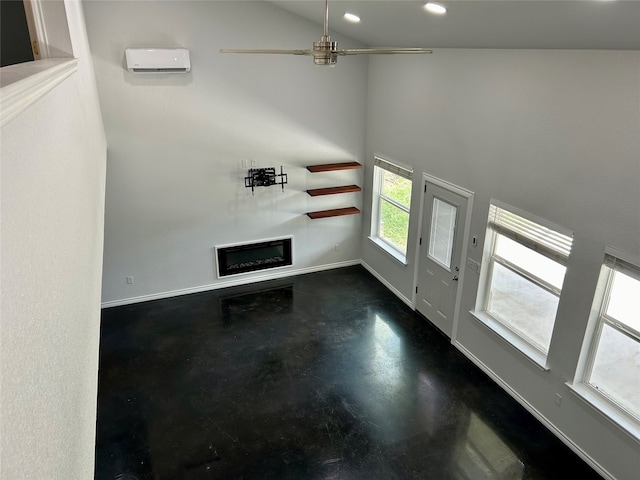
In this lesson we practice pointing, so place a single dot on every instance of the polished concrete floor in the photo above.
(320, 376)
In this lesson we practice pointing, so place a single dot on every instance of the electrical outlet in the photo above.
(337, 247)
(130, 280)
(254, 163)
(558, 399)
(245, 163)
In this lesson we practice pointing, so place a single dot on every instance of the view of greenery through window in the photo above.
(394, 222)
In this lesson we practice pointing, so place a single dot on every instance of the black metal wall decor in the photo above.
(265, 177)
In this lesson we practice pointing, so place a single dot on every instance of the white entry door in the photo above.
(443, 223)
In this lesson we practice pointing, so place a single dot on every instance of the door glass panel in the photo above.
(441, 236)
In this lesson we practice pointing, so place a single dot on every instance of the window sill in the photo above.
(604, 407)
(522, 346)
(23, 84)
(389, 250)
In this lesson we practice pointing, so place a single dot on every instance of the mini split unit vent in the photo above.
(158, 60)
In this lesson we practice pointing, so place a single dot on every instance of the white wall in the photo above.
(177, 143)
(52, 204)
(554, 133)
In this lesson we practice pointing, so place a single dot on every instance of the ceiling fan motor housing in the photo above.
(324, 51)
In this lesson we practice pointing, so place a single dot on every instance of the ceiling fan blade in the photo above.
(382, 51)
(265, 51)
(325, 52)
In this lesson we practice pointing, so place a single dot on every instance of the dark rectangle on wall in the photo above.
(15, 43)
(251, 257)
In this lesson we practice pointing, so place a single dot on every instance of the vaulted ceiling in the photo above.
(543, 24)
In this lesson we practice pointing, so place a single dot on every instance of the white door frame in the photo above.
(426, 178)
(49, 27)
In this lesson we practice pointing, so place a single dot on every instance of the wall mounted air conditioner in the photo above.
(157, 60)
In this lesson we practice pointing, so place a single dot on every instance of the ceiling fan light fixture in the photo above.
(350, 17)
(435, 8)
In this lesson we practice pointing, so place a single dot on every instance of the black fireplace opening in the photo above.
(254, 256)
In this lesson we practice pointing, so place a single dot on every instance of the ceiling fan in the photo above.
(326, 52)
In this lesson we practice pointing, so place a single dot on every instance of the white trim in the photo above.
(231, 283)
(426, 178)
(251, 242)
(601, 406)
(533, 411)
(387, 284)
(512, 339)
(588, 345)
(25, 83)
(39, 24)
(389, 250)
(31, 27)
(414, 294)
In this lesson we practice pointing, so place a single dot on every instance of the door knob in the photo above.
(455, 278)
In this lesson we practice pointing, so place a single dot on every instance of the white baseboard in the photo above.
(533, 411)
(387, 284)
(228, 283)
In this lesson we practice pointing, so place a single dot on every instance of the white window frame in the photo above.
(378, 198)
(23, 84)
(615, 260)
(537, 234)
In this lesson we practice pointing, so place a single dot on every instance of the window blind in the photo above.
(393, 168)
(544, 240)
(627, 268)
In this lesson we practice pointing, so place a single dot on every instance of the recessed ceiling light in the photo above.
(350, 17)
(435, 8)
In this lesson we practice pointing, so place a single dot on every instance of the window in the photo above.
(391, 201)
(15, 44)
(613, 365)
(523, 280)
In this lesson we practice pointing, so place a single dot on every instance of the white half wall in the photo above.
(52, 214)
(554, 133)
(179, 146)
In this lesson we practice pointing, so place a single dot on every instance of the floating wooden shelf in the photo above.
(314, 192)
(331, 167)
(333, 190)
(336, 212)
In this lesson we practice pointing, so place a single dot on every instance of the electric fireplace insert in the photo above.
(249, 257)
